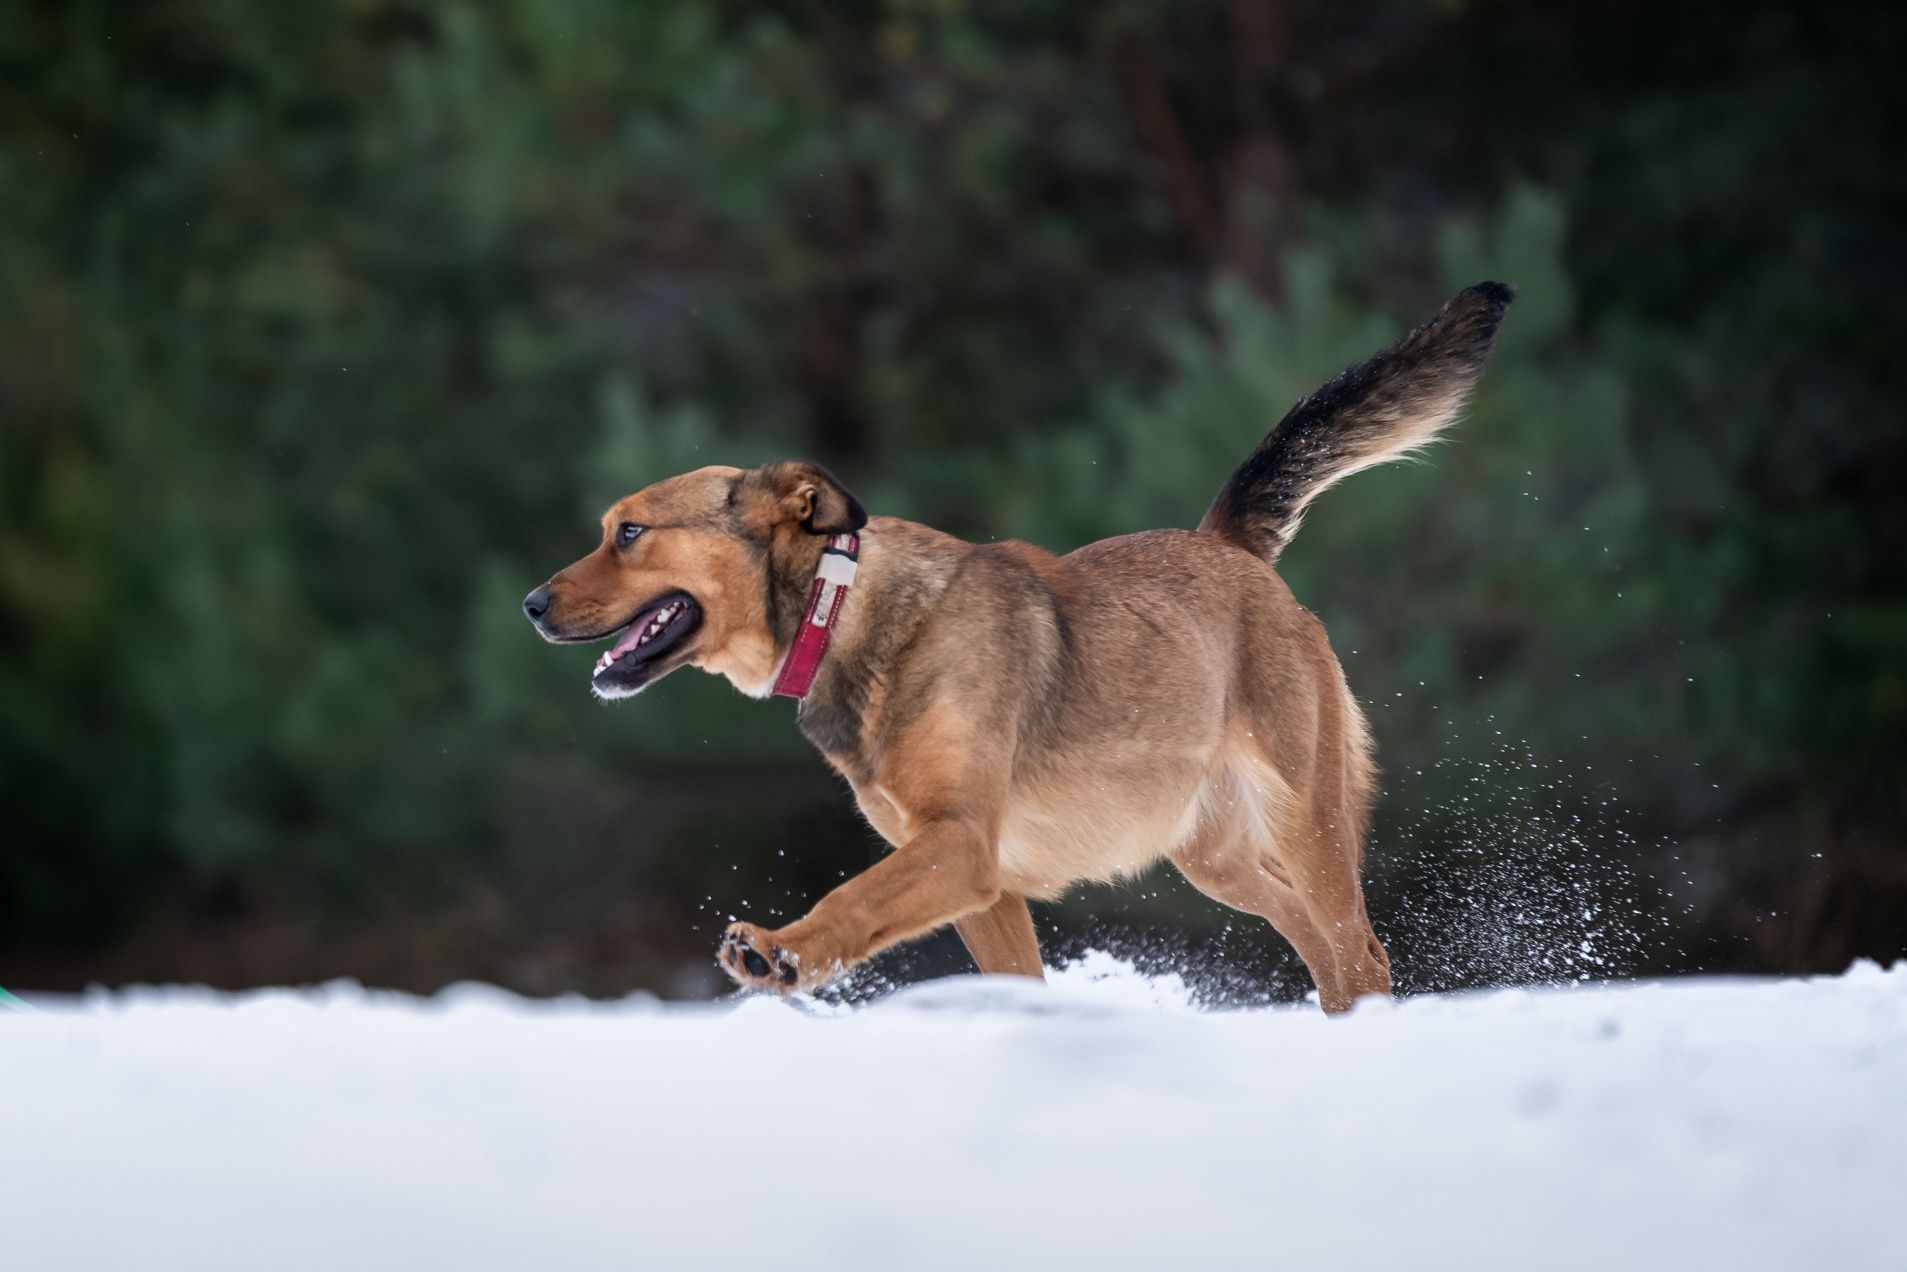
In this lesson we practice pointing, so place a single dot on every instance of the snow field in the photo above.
(1097, 1121)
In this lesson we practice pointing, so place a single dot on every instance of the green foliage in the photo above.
(327, 331)
(1517, 584)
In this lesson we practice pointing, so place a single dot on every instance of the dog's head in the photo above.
(708, 569)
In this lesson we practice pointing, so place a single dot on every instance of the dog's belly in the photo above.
(1094, 826)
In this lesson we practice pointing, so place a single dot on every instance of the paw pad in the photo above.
(750, 961)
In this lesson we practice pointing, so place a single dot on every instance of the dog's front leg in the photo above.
(949, 869)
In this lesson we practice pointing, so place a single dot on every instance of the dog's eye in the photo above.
(627, 532)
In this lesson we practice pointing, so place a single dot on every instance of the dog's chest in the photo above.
(834, 719)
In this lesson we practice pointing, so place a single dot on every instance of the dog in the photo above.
(1013, 722)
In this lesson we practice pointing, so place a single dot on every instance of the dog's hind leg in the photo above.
(1265, 855)
(1001, 937)
(1323, 869)
(1323, 847)
(1225, 863)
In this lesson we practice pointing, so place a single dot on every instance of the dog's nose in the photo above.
(537, 604)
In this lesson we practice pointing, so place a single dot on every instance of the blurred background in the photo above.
(326, 330)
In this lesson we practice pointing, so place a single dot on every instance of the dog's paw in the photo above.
(753, 960)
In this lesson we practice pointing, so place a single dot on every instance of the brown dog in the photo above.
(1012, 721)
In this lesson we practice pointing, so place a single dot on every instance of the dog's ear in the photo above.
(810, 496)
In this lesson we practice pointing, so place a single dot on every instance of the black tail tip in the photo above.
(1496, 296)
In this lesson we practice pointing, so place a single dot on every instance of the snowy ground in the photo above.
(1097, 1122)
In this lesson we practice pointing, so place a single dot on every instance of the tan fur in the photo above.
(1199, 715)
(1014, 722)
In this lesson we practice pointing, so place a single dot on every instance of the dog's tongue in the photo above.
(630, 637)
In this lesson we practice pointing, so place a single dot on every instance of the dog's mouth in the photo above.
(641, 643)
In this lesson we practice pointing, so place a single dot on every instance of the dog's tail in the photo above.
(1371, 413)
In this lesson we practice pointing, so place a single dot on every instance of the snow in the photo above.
(1099, 1121)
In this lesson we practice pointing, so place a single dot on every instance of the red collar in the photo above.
(839, 560)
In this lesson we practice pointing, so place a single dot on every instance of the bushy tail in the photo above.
(1373, 412)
